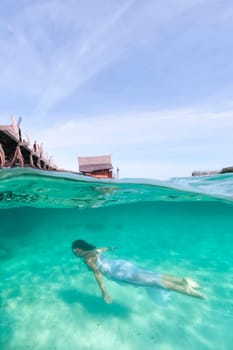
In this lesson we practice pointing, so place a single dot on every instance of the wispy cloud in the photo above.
(51, 48)
(83, 59)
(157, 139)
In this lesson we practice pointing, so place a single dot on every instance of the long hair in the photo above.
(80, 244)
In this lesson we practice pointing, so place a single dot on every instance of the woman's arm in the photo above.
(98, 276)
(100, 250)
(99, 279)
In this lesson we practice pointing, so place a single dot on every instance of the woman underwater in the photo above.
(125, 272)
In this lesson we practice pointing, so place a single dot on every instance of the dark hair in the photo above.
(82, 245)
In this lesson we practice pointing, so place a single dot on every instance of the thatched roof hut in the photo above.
(98, 166)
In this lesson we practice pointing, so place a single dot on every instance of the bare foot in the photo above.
(191, 291)
(191, 283)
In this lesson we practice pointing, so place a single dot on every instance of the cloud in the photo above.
(127, 128)
(118, 29)
(49, 49)
(181, 139)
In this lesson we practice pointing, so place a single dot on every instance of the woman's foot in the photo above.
(188, 281)
(190, 291)
(190, 288)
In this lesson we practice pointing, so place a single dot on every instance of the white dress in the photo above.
(125, 272)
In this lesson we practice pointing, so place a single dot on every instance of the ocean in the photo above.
(50, 300)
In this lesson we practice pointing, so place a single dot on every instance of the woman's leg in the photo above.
(149, 279)
(173, 279)
(180, 285)
(181, 281)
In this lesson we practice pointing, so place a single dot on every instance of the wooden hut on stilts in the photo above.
(17, 152)
(98, 166)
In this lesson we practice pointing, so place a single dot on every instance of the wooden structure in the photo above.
(98, 167)
(212, 172)
(14, 152)
(205, 172)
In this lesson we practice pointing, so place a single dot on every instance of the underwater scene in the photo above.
(50, 300)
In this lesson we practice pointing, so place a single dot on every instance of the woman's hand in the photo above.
(107, 298)
(100, 250)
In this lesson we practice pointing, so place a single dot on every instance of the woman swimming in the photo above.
(125, 272)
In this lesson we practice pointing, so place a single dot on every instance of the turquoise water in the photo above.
(49, 300)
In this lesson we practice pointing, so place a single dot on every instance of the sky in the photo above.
(149, 82)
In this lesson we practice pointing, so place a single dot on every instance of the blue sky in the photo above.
(149, 82)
